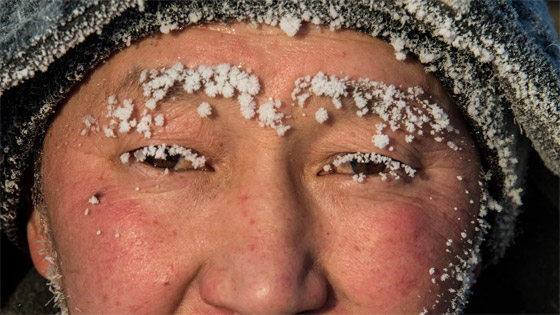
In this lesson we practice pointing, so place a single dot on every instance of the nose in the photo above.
(266, 264)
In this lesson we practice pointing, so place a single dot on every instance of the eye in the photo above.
(175, 157)
(361, 164)
(366, 168)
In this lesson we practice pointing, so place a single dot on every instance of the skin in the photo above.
(262, 232)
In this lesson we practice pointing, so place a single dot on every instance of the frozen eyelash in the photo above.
(162, 151)
(394, 167)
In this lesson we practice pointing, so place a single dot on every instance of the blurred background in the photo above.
(554, 8)
(527, 280)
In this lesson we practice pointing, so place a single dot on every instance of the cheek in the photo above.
(385, 256)
(120, 249)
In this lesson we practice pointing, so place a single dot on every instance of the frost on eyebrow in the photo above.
(399, 109)
(223, 80)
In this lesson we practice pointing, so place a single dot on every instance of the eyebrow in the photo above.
(129, 82)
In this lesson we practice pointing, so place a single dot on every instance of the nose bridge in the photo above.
(267, 202)
(268, 183)
(266, 265)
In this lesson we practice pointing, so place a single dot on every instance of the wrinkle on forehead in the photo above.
(251, 47)
(128, 83)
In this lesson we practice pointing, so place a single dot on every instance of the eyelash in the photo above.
(363, 164)
(175, 157)
(178, 158)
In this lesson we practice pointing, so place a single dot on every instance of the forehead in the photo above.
(273, 56)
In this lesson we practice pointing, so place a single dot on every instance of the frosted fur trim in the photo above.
(35, 41)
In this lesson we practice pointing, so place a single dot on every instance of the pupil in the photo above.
(169, 162)
(367, 168)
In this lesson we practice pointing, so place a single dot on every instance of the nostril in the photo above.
(329, 303)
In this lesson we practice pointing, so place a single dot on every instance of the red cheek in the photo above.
(102, 262)
(391, 267)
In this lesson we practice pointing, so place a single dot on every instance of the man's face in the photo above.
(262, 227)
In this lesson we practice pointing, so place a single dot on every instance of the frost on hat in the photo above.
(499, 61)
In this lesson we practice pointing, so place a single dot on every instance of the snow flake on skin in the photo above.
(94, 200)
(270, 117)
(321, 115)
(290, 25)
(204, 110)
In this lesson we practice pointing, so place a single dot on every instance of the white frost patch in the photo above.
(112, 100)
(247, 105)
(90, 124)
(86, 212)
(380, 140)
(168, 27)
(143, 76)
(98, 232)
(359, 178)
(398, 45)
(321, 115)
(125, 111)
(194, 17)
(459, 177)
(290, 25)
(108, 132)
(124, 157)
(452, 145)
(270, 117)
(204, 110)
(144, 126)
(93, 200)
(432, 270)
(159, 120)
